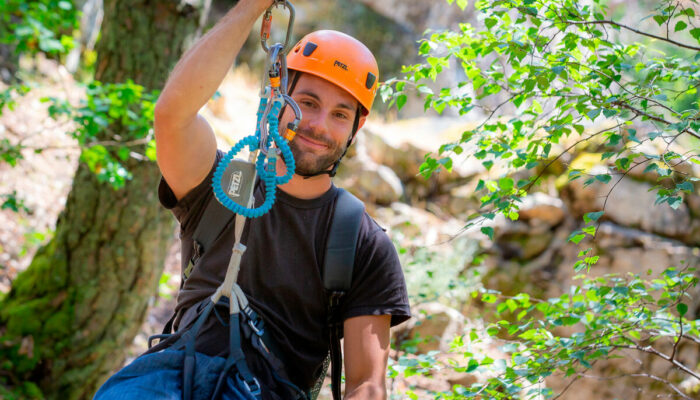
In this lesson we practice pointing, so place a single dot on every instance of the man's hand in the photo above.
(366, 348)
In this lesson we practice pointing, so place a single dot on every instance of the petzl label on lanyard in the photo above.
(237, 181)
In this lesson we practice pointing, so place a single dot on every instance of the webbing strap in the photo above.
(337, 273)
(213, 221)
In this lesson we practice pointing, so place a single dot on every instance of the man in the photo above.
(334, 80)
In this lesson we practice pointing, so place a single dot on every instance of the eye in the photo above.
(307, 103)
(341, 115)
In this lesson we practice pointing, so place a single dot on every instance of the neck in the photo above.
(302, 188)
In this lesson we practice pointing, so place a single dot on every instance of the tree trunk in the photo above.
(69, 317)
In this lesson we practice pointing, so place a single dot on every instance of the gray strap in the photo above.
(210, 226)
(342, 241)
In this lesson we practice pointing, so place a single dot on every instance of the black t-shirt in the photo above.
(281, 273)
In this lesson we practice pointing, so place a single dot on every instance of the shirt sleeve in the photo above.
(378, 284)
(188, 209)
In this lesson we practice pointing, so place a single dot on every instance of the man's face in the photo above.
(328, 114)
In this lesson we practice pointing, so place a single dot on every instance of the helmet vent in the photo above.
(370, 80)
(309, 48)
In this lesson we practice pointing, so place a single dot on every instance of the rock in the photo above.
(419, 15)
(621, 250)
(542, 207)
(462, 200)
(693, 202)
(405, 159)
(380, 183)
(524, 246)
(631, 203)
(437, 324)
(368, 180)
(412, 226)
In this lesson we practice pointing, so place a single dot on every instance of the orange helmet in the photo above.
(339, 59)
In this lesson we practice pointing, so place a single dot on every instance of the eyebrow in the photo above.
(315, 97)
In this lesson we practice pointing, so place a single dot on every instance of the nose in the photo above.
(316, 122)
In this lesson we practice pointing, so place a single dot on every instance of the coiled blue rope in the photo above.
(265, 165)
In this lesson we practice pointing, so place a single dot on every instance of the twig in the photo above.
(529, 185)
(652, 117)
(651, 350)
(640, 375)
(496, 109)
(637, 31)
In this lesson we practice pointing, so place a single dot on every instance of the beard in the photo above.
(310, 163)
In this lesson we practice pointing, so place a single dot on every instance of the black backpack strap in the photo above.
(210, 226)
(337, 272)
(212, 223)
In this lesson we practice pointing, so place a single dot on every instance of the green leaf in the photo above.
(473, 364)
(593, 113)
(490, 22)
(695, 32)
(488, 231)
(680, 25)
(605, 178)
(592, 216)
(506, 184)
(589, 230)
(682, 308)
(660, 19)
(401, 101)
(576, 237)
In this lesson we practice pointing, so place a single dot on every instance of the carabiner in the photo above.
(297, 111)
(267, 25)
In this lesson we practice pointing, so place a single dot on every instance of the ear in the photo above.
(360, 123)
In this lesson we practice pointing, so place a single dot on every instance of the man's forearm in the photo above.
(201, 69)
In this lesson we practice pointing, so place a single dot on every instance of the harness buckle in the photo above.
(258, 331)
(253, 387)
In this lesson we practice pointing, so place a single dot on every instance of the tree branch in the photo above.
(529, 185)
(651, 350)
(640, 375)
(652, 117)
(637, 31)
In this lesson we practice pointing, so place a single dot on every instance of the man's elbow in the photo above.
(366, 390)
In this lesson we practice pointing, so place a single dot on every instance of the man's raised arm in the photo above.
(185, 142)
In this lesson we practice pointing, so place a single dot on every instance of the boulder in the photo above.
(436, 325)
(542, 207)
(621, 250)
(631, 203)
(379, 184)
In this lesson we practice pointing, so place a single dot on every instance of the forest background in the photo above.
(536, 163)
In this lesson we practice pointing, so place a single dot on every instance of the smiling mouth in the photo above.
(310, 142)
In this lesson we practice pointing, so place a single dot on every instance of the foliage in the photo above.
(108, 108)
(111, 108)
(560, 67)
(40, 25)
(600, 318)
